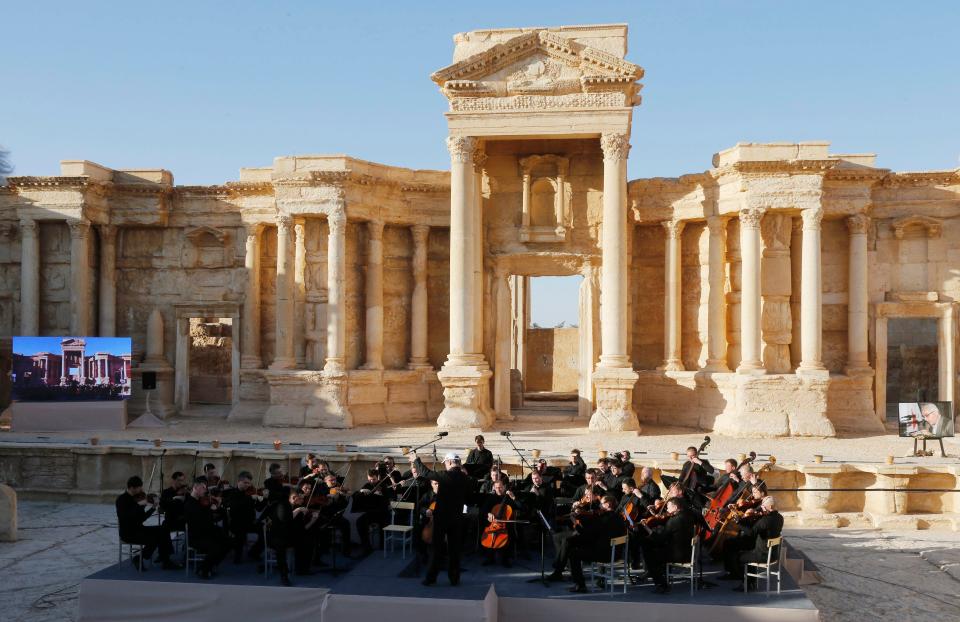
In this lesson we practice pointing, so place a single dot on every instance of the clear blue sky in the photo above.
(204, 88)
(33, 345)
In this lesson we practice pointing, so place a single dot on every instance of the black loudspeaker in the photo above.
(148, 380)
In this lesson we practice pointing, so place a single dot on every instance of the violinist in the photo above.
(626, 465)
(752, 481)
(615, 479)
(171, 502)
(669, 542)
(203, 533)
(593, 541)
(730, 474)
(495, 475)
(277, 485)
(649, 490)
(547, 473)
(756, 528)
(133, 509)
(378, 488)
(573, 473)
(280, 532)
(303, 535)
(592, 483)
(480, 459)
(605, 477)
(632, 508)
(492, 508)
(331, 514)
(242, 504)
(538, 495)
(585, 508)
(310, 467)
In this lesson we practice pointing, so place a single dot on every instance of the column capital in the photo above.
(337, 222)
(420, 231)
(674, 228)
(375, 229)
(858, 224)
(108, 233)
(461, 148)
(479, 157)
(811, 218)
(79, 229)
(284, 222)
(29, 226)
(751, 217)
(615, 146)
(717, 224)
(253, 229)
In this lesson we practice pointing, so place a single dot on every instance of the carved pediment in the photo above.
(931, 226)
(540, 62)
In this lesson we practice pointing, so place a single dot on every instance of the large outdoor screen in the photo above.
(929, 419)
(71, 369)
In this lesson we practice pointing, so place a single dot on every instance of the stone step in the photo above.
(528, 415)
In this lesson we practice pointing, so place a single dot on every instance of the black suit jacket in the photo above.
(764, 528)
(130, 516)
(676, 535)
(451, 494)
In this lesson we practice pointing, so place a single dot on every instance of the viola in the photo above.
(496, 535)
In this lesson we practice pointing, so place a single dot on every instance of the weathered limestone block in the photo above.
(778, 405)
(614, 411)
(466, 395)
(815, 499)
(8, 514)
(850, 405)
(307, 398)
(408, 393)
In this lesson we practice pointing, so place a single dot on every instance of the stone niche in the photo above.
(546, 205)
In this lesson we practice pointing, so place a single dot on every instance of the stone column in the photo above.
(672, 357)
(465, 375)
(858, 361)
(108, 281)
(717, 299)
(501, 363)
(80, 278)
(418, 302)
(614, 377)
(336, 299)
(751, 362)
(476, 208)
(811, 315)
(299, 294)
(29, 278)
(250, 339)
(284, 358)
(374, 296)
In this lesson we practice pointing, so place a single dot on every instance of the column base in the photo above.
(419, 364)
(672, 365)
(283, 363)
(813, 371)
(334, 366)
(250, 362)
(614, 391)
(777, 405)
(716, 366)
(466, 396)
(751, 368)
(859, 370)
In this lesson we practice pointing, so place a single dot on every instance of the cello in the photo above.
(721, 498)
(496, 535)
(728, 515)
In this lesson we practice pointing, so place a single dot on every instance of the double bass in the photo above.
(728, 516)
(427, 533)
(714, 514)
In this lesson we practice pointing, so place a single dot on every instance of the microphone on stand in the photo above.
(442, 433)
(504, 433)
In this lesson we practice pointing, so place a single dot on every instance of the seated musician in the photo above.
(309, 467)
(303, 535)
(730, 474)
(202, 530)
(280, 533)
(626, 467)
(591, 483)
(573, 473)
(649, 490)
(214, 481)
(133, 509)
(540, 494)
(593, 541)
(614, 480)
(669, 542)
(547, 474)
(495, 475)
(171, 502)
(632, 508)
(564, 538)
(605, 477)
(501, 496)
(242, 504)
(697, 475)
(276, 486)
(331, 514)
(757, 526)
(480, 459)
(751, 480)
(376, 511)
(413, 485)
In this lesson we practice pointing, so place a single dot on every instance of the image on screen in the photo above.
(71, 369)
(929, 419)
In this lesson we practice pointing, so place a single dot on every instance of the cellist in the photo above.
(493, 507)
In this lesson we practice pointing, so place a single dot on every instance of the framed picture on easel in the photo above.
(926, 419)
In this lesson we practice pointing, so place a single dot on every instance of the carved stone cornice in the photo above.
(49, 182)
(751, 218)
(858, 224)
(801, 167)
(922, 178)
(615, 146)
(461, 148)
(811, 219)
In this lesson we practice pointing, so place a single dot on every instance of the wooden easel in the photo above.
(923, 452)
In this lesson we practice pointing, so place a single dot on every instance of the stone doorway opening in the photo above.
(546, 379)
(211, 344)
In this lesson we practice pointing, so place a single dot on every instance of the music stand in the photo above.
(545, 527)
(333, 570)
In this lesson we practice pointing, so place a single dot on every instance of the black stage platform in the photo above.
(389, 588)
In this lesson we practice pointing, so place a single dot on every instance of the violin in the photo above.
(631, 511)
(150, 498)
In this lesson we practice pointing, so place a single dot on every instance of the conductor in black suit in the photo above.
(452, 487)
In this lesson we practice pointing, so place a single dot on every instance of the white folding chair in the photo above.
(684, 567)
(401, 532)
(190, 555)
(177, 541)
(765, 570)
(132, 549)
(610, 569)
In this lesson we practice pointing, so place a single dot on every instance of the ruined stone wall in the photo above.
(438, 293)
(268, 295)
(397, 290)
(694, 293)
(646, 293)
(54, 278)
(355, 283)
(835, 262)
(552, 359)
